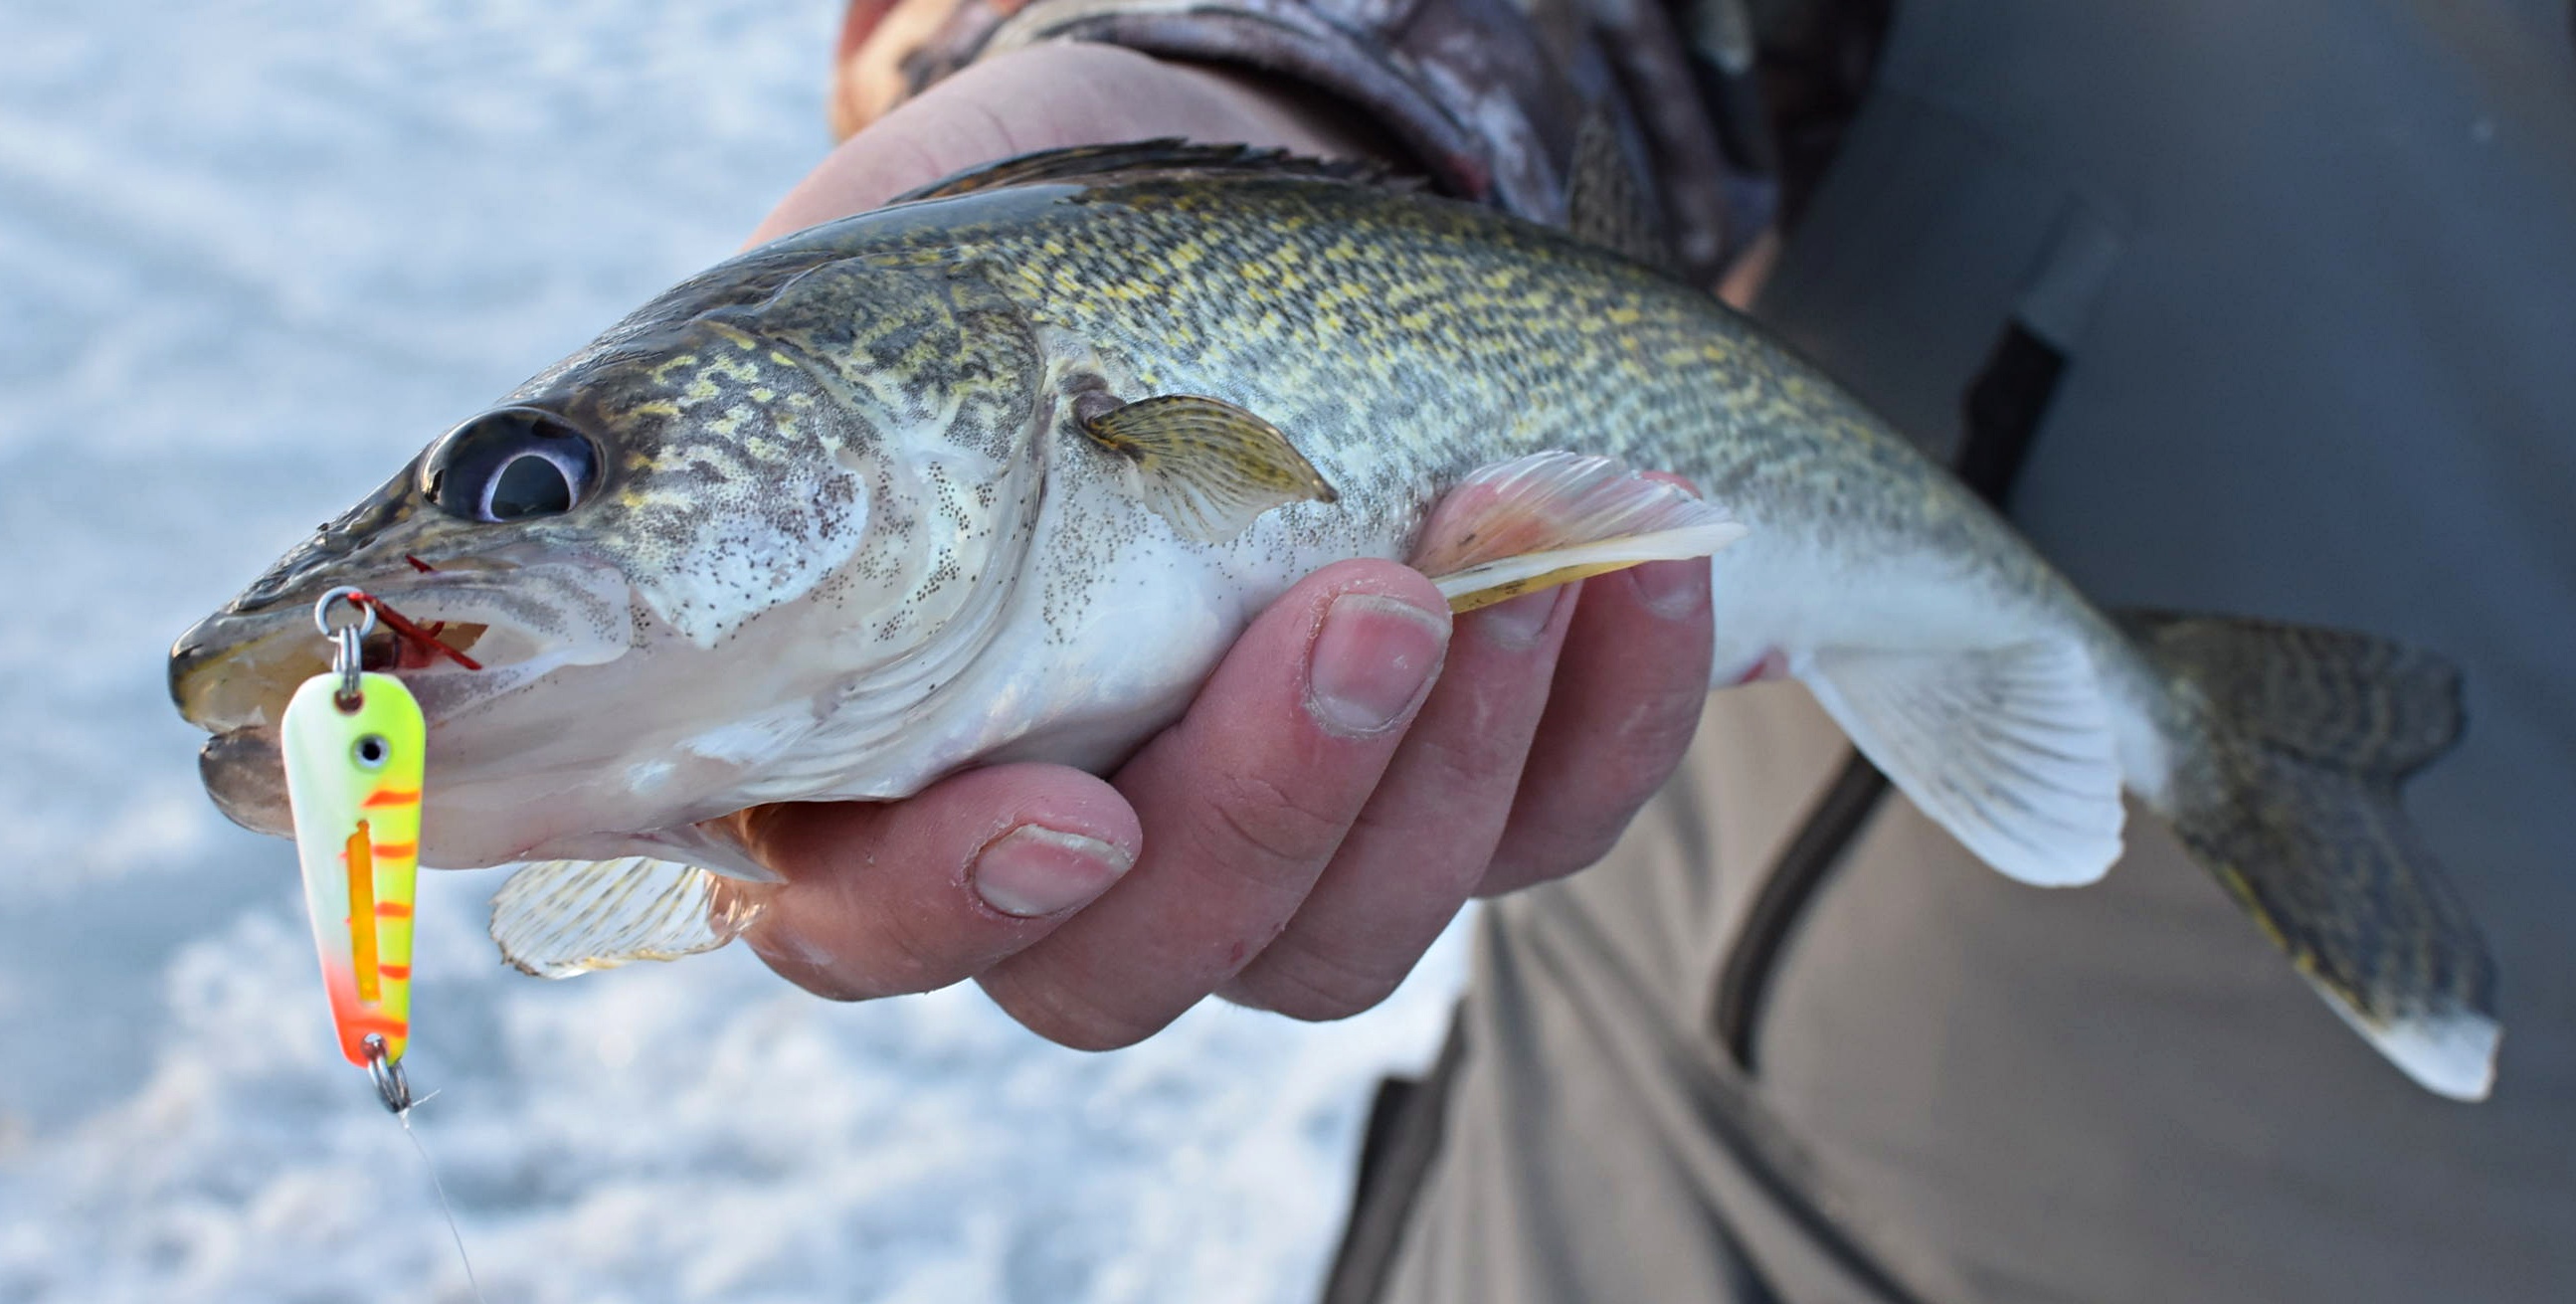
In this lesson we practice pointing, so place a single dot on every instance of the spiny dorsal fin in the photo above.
(1603, 204)
(1167, 154)
(1204, 465)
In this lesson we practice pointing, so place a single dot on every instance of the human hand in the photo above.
(1355, 770)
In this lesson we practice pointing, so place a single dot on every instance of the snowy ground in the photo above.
(251, 256)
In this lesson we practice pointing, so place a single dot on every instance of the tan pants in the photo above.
(1968, 1089)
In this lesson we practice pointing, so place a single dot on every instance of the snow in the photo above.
(252, 255)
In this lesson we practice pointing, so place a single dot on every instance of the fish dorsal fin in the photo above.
(2009, 748)
(1552, 518)
(1203, 464)
(1167, 154)
(557, 918)
(1603, 203)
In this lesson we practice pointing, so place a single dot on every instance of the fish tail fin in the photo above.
(2292, 802)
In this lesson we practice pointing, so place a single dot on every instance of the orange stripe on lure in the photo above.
(354, 744)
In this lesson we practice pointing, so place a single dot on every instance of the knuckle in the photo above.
(1538, 859)
(855, 948)
(1582, 849)
(826, 983)
(1272, 824)
(816, 969)
(1467, 760)
(1555, 845)
(1070, 1019)
(1634, 761)
(1316, 987)
(1670, 721)
(909, 958)
(1075, 1032)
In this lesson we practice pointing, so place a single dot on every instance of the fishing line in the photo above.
(454, 1231)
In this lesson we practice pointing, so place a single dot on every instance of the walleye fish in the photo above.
(998, 473)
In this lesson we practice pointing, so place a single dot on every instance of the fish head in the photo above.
(641, 578)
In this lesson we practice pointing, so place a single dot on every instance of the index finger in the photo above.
(884, 898)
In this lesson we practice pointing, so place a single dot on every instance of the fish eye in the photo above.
(371, 751)
(510, 464)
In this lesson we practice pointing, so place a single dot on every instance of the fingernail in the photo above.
(1517, 624)
(1671, 589)
(1372, 660)
(1039, 871)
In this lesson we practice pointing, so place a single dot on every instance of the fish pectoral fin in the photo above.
(557, 918)
(1556, 517)
(1207, 466)
(2009, 748)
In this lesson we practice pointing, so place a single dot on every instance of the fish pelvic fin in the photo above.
(558, 918)
(2292, 802)
(1553, 518)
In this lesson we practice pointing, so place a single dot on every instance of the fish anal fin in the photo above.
(2009, 748)
(558, 918)
(1553, 518)
(1165, 154)
(1208, 467)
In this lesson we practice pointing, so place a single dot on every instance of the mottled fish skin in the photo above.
(1403, 342)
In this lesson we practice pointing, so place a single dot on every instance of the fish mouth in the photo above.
(229, 672)
(233, 675)
(479, 636)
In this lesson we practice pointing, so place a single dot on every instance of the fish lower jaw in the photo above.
(245, 774)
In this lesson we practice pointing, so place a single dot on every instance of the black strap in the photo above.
(1830, 826)
(2003, 410)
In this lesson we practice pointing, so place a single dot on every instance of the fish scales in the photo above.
(999, 474)
(1405, 344)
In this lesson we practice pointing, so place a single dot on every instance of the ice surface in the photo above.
(252, 255)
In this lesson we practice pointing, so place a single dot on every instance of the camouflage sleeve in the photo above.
(1489, 97)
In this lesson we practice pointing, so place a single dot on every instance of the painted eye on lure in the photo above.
(371, 752)
(511, 464)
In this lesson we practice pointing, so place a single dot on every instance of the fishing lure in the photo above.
(354, 742)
